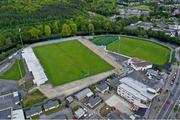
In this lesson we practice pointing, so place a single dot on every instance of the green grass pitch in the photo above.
(134, 47)
(69, 61)
(14, 73)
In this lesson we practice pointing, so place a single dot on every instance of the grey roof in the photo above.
(50, 104)
(69, 99)
(142, 64)
(33, 110)
(102, 86)
(83, 93)
(93, 101)
(113, 116)
(5, 114)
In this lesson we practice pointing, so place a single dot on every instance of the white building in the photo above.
(34, 66)
(136, 92)
(139, 64)
(18, 115)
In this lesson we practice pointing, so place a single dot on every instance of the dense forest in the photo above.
(47, 19)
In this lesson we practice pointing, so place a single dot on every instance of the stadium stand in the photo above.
(34, 66)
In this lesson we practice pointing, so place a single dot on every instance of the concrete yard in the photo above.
(120, 104)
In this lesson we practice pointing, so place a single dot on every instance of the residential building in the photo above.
(136, 92)
(102, 87)
(37, 110)
(70, 99)
(93, 101)
(83, 94)
(51, 104)
(79, 113)
(139, 64)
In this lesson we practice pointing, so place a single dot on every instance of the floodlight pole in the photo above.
(21, 51)
(20, 36)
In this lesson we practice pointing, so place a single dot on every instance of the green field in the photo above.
(69, 61)
(104, 40)
(141, 7)
(134, 47)
(14, 72)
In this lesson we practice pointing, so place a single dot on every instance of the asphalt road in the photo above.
(169, 104)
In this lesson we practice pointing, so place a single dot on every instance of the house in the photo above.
(51, 104)
(139, 64)
(136, 92)
(83, 94)
(70, 99)
(33, 111)
(102, 87)
(93, 101)
(79, 113)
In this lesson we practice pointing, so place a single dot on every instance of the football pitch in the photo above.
(69, 61)
(147, 50)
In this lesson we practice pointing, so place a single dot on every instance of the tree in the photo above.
(47, 30)
(55, 28)
(2, 40)
(107, 25)
(73, 27)
(34, 32)
(91, 28)
(66, 30)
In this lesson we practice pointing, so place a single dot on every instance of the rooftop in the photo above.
(83, 93)
(5, 114)
(102, 86)
(18, 114)
(33, 110)
(79, 113)
(34, 66)
(93, 101)
(138, 86)
(50, 104)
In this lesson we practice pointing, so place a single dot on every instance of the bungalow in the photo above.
(33, 111)
(51, 104)
(93, 101)
(83, 94)
(102, 87)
